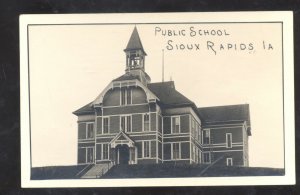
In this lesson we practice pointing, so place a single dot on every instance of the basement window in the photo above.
(229, 162)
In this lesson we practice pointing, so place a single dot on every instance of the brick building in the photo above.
(135, 121)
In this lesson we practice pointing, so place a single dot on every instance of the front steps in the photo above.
(97, 171)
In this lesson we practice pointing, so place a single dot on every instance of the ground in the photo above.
(154, 171)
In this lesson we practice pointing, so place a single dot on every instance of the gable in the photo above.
(126, 84)
(121, 138)
(113, 96)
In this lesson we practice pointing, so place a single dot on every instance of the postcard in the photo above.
(157, 99)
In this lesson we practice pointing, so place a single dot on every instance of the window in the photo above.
(123, 96)
(135, 59)
(90, 155)
(90, 130)
(132, 155)
(123, 123)
(86, 130)
(86, 155)
(229, 162)
(160, 123)
(146, 122)
(228, 140)
(81, 155)
(199, 156)
(175, 124)
(126, 123)
(193, 152)
(197, 152)
(176, 151)
(105, 152)
(105, 125)
(199, 132)
(206, 136)
(126, 96)
(193, 128)
(102, 151)
(206, 157)
(146, 145)
(139, 146)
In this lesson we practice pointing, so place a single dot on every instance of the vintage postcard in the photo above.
(157, 99)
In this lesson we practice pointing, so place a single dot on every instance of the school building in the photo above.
(134, 121)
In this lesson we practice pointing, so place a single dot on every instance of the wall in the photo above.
(138, 95)
(183, 137)
(237, 158)
(112, 97)
(219, 134)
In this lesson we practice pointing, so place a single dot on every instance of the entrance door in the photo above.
(123, 154)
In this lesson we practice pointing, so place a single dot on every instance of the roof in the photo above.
(127, 77)
(167, 93)
(130, 76)
(85, 109)
(229, 113)
(169, 96)
(134, 42)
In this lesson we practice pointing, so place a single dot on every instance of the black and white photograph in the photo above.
(157, 99)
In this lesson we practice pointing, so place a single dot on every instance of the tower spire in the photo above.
(135, 42)
(135, 57)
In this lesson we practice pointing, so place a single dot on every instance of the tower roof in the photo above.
(134, 42)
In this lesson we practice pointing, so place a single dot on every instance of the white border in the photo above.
(279, 16)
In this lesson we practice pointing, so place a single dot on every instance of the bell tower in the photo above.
(135, 54)
(135, 57)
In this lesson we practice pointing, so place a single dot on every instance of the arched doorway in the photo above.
(122, 154)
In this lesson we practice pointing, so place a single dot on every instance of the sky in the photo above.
(71, 64)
